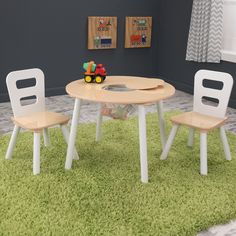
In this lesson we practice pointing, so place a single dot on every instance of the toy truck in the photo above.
(94, 73)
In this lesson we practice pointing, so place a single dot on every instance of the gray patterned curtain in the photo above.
(205, 34)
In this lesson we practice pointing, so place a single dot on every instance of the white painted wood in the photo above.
(191, 137)
(169, 142)
(66, 135)
(230, 2)
(228, 56)
(16, 94)
(12, 142)
(28, 110)
(99, 123)
(203, 153)
(228, 52)
(199, 107)
(73, 132)
(225, 143)
(46, 138)
(161, 123)
(36, 155)
(143, 144)
(222, 95)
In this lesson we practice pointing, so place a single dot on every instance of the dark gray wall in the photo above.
(52, 35)
(173, 25)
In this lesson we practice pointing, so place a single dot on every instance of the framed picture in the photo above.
(138, 31)
(102, 32)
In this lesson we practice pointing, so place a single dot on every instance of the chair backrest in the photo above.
(17, 94)
(221, 95)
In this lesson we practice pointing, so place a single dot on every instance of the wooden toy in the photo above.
(94, 72)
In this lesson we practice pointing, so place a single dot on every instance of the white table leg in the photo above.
(73, 132)
(99, 123)
(161, 123)
(143, 144)
(66, 134)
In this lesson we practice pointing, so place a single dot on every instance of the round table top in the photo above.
(139, 90)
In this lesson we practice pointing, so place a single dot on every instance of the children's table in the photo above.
(138, 91)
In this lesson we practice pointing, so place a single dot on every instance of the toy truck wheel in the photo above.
(88, 79)
(98, 79)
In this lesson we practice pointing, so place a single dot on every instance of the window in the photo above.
(229, 31)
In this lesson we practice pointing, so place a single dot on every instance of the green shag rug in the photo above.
(103, 195)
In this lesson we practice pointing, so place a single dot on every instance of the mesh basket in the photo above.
(117, 111)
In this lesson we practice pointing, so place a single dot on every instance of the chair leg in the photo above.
(203, 153)
(169, 142)
(191, 137)
(225, 143)
(143, 144)
(66, 134)
(46, 137)
(12, 142)
(99, 123)
(161, 123)
(36, 155)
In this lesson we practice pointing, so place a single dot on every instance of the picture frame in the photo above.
(102, 32)
(138, 31)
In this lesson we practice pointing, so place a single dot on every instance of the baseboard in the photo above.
(61, 90)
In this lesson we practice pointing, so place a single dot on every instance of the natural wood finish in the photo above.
(133, 82)
(40, 120)
(95, 92)
(95, 31)
(204, 123)
(132, 28)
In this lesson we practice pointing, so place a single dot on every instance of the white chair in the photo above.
(204, 117)
(32, 116)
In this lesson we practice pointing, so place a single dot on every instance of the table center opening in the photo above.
(117, 88)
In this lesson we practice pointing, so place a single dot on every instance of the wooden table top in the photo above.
(140, 90)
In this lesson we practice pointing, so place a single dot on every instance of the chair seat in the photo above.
(198, 121)
(40, 120)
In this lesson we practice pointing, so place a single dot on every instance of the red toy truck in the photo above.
(94, 72)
